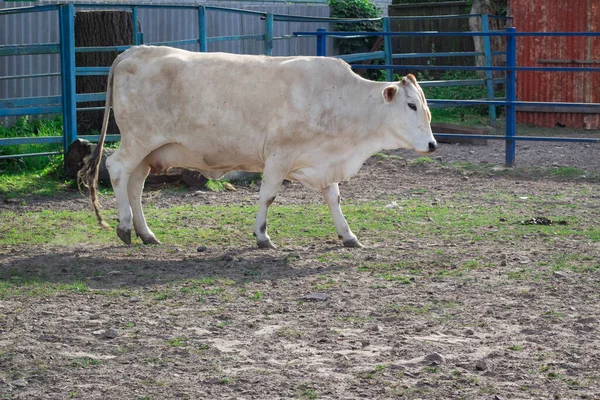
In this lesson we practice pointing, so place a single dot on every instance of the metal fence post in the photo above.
(387, 48)
(511, 95)
(489, 75)
(202, 28)
(269, 34)
(67, 73)
(136, 26)
(321, 43)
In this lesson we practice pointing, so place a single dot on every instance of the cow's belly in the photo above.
(320, 168)
(214, 162)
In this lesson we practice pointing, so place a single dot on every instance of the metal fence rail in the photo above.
(510, 102)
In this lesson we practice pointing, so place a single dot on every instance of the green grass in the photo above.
(559, 173)
(84, 362)
(12, 286)
(177, 342)
(301, 224)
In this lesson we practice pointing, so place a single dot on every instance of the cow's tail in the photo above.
(88, 174)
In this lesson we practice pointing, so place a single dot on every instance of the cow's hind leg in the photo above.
(271, 182)
(134, 191)
(120, 165)
(333, 200)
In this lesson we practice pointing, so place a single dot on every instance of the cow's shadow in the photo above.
(115, 267)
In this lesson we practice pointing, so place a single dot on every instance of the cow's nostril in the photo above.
(432, 146)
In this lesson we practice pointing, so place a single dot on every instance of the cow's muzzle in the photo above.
(432, 146)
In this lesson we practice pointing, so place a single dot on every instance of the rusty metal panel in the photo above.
(581, 87)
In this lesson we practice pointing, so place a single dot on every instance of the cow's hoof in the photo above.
(124, 235)
(266, 244)
(353, 243)
(150, 240)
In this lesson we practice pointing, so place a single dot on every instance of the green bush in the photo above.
(477, 92)
(27, 127)
(355, 9)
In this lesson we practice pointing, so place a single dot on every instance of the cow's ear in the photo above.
(389, 93)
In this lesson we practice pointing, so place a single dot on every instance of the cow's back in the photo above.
(237, 97)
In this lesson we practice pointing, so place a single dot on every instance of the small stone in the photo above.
(435, 357)
(439, 158)
(19, 383)
(95, 316)
(482, 365)
(116, 272)
(465, 178)
(227, 258)
(98, 333)
(376, 328)
(559, 274)
(110, 333)
(365, 343)
(314, 297)
(469, 332)
(134, 299)
(229, 187)
(496, 397)
(201, 249)
(393, 204)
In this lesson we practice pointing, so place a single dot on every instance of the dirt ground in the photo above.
(307, 322)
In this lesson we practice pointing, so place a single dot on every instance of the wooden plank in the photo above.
(463, 130)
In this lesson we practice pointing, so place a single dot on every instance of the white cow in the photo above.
(307, 119)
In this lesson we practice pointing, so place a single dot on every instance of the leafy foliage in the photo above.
(26, 127)
(355, 9)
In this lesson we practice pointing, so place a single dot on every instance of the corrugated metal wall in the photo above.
(581, 87)
(157, 25)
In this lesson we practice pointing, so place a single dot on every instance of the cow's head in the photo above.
(409, 119)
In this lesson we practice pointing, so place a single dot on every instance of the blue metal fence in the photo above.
(510, 102)
(67, 102)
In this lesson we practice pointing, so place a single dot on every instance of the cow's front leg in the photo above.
(333, 200)
(271, 182)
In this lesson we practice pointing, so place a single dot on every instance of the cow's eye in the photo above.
(412, 106)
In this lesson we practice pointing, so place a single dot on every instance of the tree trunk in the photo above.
(490, 7)
(92, 29)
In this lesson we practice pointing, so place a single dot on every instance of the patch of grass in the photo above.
(288, 332)
(529, 172)
(422, 161)
(404, 280)
(516, 347)
(307, 393)
(18, 286)
(84, 362)
(215, 185)
(223, 324)
(553, 315)
(553, 375)
(256, 296)
(164, 294)
(177, 342)
(231, 225)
